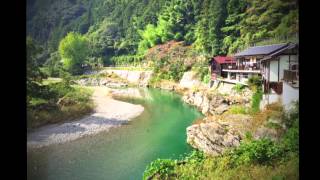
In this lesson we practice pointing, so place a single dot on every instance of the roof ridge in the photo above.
(271, 45)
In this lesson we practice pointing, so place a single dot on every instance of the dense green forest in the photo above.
(123, 30)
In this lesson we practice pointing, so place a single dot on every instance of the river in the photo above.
(122, 153)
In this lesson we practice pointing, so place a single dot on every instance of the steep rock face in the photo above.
(189, 80)
(212, 138)
(216, 103)
(137, 77)
(101, 82)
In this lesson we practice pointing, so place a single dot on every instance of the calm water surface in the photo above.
(122, 153)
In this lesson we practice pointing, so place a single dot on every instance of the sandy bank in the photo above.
(108, 113)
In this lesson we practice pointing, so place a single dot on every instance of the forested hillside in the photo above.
(127, 28)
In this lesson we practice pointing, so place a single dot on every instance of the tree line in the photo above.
(103, 30)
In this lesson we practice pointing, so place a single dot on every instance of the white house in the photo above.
(249, 60)
(280, 74)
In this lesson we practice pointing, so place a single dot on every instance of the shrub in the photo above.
(255, 102)
(238, 87)
(202, 71)
(254, 81)
(290, 140)
(206, 78)
(261, 151)
(161, 167)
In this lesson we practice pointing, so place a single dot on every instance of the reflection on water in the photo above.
(122, 153)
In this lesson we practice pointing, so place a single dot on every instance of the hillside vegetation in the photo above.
(121, 31)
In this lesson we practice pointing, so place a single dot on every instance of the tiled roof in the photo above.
(224, 59)
(290, 46)
(261, 50)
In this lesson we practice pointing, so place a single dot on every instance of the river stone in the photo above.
(221, 109)
(212, 138)
(205, 105)
(198, 98)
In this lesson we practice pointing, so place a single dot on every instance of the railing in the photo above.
(290, 75)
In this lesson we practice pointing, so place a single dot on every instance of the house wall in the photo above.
(269, 99)
(289, 95)
(283, 64)
(273, 71)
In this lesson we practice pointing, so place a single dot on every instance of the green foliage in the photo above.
(73, 50)
(258, 159)
(254, 82)
(163, 168)
(206, 78)
(53, 66)
(168, 69)
(257, 151)
(238, 87)
(208, 32)
(202, 71)
(290, 140)
(43, 106)
(127, 60)
(116, 28)
(34, 74)
(255, 101)
(238, 110)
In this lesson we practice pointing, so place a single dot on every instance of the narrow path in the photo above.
(108, 113)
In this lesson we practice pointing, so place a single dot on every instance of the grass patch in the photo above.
(57, 102)
(238, 87)
(237, 109)
(51, 80)
(256, 99)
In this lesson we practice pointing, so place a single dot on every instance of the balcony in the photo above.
(242, 71)
(291, 77)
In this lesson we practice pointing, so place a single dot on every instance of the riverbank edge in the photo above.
(108, 114)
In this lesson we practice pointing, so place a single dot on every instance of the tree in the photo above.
(231, 30)
(74, 50)
(208, 29)
(34, 75)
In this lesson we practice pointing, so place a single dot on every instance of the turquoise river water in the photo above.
(122, 153)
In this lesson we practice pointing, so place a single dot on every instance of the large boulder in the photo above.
(221, 109)
(212, 138)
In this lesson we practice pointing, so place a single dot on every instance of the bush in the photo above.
(57, 102)
(202, 71)
(256, 99)
(206, 79)
(290, 140)
(261, 151)
(238, 87)
(161, 167)
(254, 81)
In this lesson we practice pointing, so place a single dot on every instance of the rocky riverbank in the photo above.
(211, 102)
(109, 113)
(221, 128)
